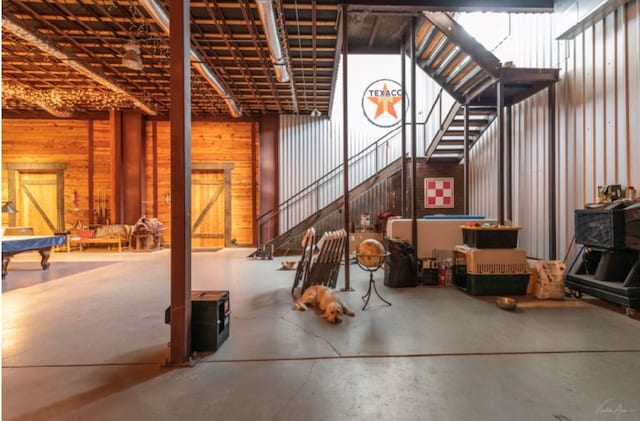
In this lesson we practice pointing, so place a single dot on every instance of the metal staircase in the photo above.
(469, 73)
(453, 58)
(382, 157)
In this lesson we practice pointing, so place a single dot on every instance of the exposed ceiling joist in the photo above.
(48, 47)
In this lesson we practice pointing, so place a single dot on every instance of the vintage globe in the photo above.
(370, 253)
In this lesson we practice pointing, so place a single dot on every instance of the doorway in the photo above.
(37, 190)
(211, 205)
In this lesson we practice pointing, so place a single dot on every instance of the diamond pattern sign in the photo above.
(438, 193)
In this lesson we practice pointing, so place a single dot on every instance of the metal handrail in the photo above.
(326, 178)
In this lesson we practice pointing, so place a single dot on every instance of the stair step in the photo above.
(447, 138)
(446, 68)
(472, 123)
(468, 67)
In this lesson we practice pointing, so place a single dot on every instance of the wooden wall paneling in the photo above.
(90, 173)
(211, 142)
(269, 175)
(102, 166)
(254, 174)
(230, 142)
(228, 205)
(116, 199)
(163, 165)
(51, 140)
(132, 148)
(87, 148)
(154, 168)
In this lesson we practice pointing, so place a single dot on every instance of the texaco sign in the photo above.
(382, 102)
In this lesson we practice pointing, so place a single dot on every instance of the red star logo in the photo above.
(385, 102)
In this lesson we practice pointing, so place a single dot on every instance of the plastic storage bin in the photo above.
(490, 237)
(493, 284)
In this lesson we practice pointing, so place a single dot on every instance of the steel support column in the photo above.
(403, 171)
(345, 144)
(414, 195)
(500, 118)
(465, 156)
(509, 163)
(552, 170)
(180, 116)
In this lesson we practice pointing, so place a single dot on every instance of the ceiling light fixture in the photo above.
(131, 57)
(268, 19)
(159, 15)
(315, 113)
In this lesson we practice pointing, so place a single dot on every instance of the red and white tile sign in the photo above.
(438, 192)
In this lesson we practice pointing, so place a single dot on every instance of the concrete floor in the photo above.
(86, 340)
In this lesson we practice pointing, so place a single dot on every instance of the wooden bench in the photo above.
(83, 242)
(109, 235)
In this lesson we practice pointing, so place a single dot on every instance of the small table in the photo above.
(15, 244)
(144, 242)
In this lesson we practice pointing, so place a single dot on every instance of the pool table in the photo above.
(14, 244)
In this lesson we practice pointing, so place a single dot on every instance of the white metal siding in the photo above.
(310, 148)
(598, 113)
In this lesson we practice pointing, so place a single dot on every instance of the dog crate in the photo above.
(491, 261)
(491, 271)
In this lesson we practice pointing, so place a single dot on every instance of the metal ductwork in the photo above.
(26, 35)
(270, 27)
(158, 14)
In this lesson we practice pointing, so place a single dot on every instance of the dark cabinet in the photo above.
(606, 267)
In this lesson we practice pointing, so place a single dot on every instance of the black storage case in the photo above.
(490, 238)
(400, 268)
(210, 319)
(603, 228)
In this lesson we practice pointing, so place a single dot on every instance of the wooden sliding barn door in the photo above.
(38, 193)
(210, 206)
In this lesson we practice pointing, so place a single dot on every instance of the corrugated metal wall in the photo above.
(310, 148)
(598, 114)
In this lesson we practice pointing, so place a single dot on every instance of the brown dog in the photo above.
(326, 300)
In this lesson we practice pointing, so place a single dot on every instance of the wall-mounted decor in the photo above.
(438, 192)
(382, 102)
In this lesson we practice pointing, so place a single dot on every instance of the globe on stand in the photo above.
(370, 256)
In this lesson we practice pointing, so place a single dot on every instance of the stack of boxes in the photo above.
(489, 263)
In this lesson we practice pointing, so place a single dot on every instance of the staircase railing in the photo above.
(366, 163)
(436, 117)
(313, 198)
